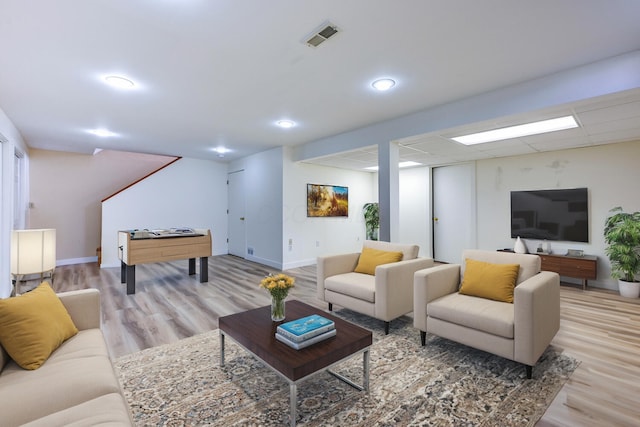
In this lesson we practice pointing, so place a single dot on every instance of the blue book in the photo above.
(306, 343)
(305, 328)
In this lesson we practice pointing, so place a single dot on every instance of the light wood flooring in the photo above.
(599, 328)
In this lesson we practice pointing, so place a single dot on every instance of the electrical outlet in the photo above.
(250, 251)
(317, 243)
(290, 242)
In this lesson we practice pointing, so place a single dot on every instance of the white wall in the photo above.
(15, 142)
(610, 172)
(313, 237)
(263, 204)
(78, 220)
(188, 193)
(415, 209)
(276, 209)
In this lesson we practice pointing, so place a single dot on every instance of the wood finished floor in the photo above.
(597, 327)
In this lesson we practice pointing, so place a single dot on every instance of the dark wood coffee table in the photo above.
(255, 332)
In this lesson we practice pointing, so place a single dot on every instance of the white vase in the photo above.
(520, 247)
(629, 289)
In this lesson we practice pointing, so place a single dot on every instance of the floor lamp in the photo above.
(32, 252)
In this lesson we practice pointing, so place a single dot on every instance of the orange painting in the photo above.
(327, 200)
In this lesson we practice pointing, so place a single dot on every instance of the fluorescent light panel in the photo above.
(534, 128)
(400, 165)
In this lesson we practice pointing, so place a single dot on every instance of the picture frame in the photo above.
(327, 200)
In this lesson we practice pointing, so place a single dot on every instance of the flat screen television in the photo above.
(550, 214)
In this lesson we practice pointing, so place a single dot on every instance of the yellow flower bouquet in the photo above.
(278, 286)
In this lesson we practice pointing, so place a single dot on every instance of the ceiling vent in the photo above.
(319, 36)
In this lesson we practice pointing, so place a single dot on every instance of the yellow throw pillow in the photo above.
(492, 281)
(371, 258)
(33, 325)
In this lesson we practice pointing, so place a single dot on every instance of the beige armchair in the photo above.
(386, 295)
(518, 331)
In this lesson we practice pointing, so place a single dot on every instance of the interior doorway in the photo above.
(454, 211)
(237, 240)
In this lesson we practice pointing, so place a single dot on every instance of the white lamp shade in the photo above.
(33, 251)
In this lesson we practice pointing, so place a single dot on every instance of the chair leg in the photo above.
(423, 338)
(529, 371)
(330, 307)
(386, 328)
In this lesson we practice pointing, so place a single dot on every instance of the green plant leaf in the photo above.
(622, 236)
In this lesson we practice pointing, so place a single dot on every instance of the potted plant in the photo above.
(372, 220)
(622, 235)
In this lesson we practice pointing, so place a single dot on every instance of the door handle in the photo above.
(241, 218)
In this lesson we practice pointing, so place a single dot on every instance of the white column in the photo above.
(388, 190)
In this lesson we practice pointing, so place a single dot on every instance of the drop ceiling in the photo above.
(603, 120)
(221, 73)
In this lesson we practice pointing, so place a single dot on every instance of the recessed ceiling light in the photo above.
(102, 132)
(383, 84)
(119, 82)
(286, 124)
(221, 151)
(534, 128)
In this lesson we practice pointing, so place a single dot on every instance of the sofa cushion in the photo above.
(529, 264)
(33, 325)
(356, 285)
(408, 251)
(371, 258)
(492, 317)
(88, 374)
(107, 410)
(87, 343)
(487, 280)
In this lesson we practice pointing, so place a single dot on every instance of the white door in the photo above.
(454, 211)
(235, 217)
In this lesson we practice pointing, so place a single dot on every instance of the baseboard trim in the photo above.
(296, 264)
(70, 261)
(263, 261)
(110, 265)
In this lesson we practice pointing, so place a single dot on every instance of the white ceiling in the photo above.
(602, 120)
(220, 73)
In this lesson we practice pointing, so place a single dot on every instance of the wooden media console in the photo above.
(583, 267)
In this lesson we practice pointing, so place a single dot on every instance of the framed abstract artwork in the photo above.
(327, 200)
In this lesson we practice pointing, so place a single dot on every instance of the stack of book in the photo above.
(303, 332)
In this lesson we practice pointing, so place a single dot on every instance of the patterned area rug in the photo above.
(442, 384)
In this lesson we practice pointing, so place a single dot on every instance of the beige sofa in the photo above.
(386, 295)
(76, 386)
(518, 331)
